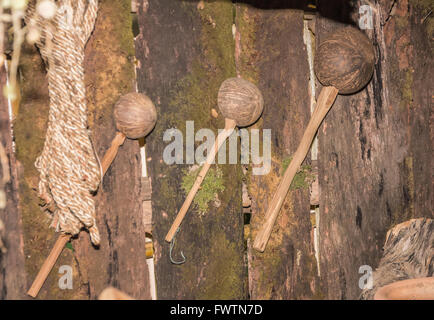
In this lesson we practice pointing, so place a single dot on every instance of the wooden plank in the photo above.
(374, 169)
(273, 55)
(185, 52)
(29, 130)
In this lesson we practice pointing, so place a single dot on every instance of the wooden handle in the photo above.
(45, 270)
(48, 265)
(325, 101)
(111, 153)
(410, 289)
(229, 127)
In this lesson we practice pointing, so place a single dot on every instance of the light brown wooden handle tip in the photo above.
(325, 101)
(48, 265)
(112, 151)
(221, 138)
(409, 289)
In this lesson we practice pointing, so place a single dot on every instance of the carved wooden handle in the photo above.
(409, 289)
(48, 265)
(221, 138)
(325, 101)
(45, 270)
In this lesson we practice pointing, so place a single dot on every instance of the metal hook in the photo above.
(172, 244)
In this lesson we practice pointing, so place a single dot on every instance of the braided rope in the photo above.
(68, 166)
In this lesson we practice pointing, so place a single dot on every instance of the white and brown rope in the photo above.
(68, 166)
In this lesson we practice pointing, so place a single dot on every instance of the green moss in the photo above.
(211, 186)
(302, 178)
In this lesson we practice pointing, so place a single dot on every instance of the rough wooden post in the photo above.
(272, 53)
(374, 168)
(185, 51)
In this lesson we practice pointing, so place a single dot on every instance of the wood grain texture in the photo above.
(345, 59)
(240, 100)
(408, 253)
(374, 167)
(121, 259)
(271, 53)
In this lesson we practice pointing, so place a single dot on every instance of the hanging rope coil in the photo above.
(68, 166)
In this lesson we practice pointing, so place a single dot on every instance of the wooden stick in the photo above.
(325, 101)
(49, 263)
(409, 289)
(221, 138)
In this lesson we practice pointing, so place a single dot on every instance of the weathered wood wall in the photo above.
(185, 52)
(375, 146)
(120, 261)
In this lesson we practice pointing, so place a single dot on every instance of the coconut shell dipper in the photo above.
(135, 116)
(344, 63)
(241, 103)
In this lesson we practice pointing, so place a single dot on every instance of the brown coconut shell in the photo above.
(240, 100)
(345, 60)
(135, 115)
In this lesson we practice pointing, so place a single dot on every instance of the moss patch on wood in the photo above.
(211, 185)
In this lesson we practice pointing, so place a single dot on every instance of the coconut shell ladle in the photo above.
(241, 103)
(135, 117)
(344, 63)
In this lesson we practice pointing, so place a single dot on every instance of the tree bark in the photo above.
(120, 261)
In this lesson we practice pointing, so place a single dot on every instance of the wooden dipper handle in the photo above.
(48, 265)
(221, 138)
(45, 270)
(325, 101)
